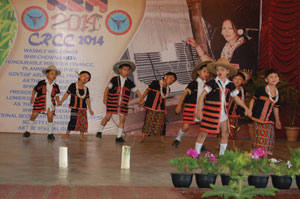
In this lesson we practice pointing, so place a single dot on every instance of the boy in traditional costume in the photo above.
(265, 107)
(44, 98)
(189, 99)
(213, 104)
(117, 94)
(79, 103)
(155, 106)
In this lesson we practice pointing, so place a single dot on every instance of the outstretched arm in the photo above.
(105, 95)
(63, 98)
(277, 118)
(32, 96)
(203, 56)
(88, 101)
(242, 104)
(199, 113)
(180, 102)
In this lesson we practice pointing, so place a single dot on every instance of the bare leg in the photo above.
(65, 136)
(142, 139)
(106, 119)
(34, 116)
(82, 138)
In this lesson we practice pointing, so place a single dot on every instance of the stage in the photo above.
(34, 161)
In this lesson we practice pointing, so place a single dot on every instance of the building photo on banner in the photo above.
(158, 36)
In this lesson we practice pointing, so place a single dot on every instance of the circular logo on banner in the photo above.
(118, 22)
(34, 18)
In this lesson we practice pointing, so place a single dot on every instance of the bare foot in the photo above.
(142, 139)
(163, 140)
(82, 138)
(65, 136)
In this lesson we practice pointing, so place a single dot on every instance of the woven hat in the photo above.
(221, 62)
(198, 67)
(49, 68)
(124, 62)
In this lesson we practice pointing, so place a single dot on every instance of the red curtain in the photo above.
(280, 38)
(280, 42)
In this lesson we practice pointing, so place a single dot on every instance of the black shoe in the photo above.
(51, 137)
(99, 135)
(176, 143)
(26, 134)
(203, 149)
(120, 140)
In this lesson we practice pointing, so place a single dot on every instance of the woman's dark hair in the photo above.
(171, 73)
(87, 72)
(241, 75)
(270, 71)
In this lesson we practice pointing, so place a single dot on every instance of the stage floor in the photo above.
(34, 161)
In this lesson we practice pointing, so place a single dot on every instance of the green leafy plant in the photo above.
(282, 168)
(238, 191)
(8, 28)
(258, 165)
(187, 163)
(208, 164)
(295, 160)
(234, 163)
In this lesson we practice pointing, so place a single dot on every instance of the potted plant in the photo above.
(295, 161)
(209, 171)
(238, 162)
(290, 99)
(259, 169)
(185, 165)
(233, 164)
(283, 173)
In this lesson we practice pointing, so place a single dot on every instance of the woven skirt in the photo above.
(264, 137)
(78, 120)
(154, 123)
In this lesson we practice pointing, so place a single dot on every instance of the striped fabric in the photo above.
(189, 113)
(114, 104)
(40, 99)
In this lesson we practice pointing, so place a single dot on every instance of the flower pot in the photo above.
(281, 182)
(182, 179)
(204, 180)
(225, 179)
(292, 133)
(258, 181)
(298, 181)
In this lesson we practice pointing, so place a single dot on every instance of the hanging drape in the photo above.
(280, 38)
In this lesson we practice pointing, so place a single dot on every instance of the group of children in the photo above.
(216, 104)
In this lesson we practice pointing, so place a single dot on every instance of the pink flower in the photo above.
(260, 152)
(207, 154)
(254, 156)
(192, 153)
(257, 153)
(213, 159)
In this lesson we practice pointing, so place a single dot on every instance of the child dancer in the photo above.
(155, 106)
(214, 113)
(265, 106)
(190, 97)
(117, 94)
(46, 94)
(79, 103)
(234, 110)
